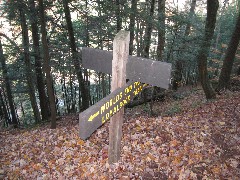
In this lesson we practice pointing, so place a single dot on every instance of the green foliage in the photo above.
(94, 24)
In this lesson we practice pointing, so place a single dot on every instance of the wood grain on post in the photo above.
(120, 56)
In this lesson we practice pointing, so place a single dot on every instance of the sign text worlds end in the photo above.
(99, 113)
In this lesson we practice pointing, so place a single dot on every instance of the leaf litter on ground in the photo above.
(200, 142)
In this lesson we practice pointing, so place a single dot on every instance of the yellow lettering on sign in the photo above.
(117, 98)
(128, 98)
(110, 102)
(103, 120)
(121, 95)
(135, 92)
(128, 89)
(107, 115)
(102, 108)
(111, 112)
(115, 109)
(136, 84)
(138, 88)
(121, 104)
(107, 105)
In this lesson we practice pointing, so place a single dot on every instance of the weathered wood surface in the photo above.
(122, 67)
(144, 70)
(98, 60)
(119, 62)
(96, 115)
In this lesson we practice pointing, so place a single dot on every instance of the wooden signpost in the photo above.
(155, 73)
(139, 71)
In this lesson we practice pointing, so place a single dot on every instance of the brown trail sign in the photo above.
(122, 67)
(155, 73)
(96, 115)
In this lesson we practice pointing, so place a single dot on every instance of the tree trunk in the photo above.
(212, 7)
(118, 15)
(229, 58)
(139, 38)
(86, 77)
(29, 74)
(3, 110)
(218, 31)
(132, 24)
(38, 63)
(104, 93)
(8, 89)
(148, 32)
(191, 13)
(82, 90)
(46, 66)
(177, 77)
(161, 29)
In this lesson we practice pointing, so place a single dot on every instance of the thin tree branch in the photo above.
(11, 41)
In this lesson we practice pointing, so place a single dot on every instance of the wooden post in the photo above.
(120, 56)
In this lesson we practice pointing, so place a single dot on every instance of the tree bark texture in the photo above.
(38, 63)
(148, 31)
(27, 60)
(191, 13)
(212, 7)
(132, 24)
(4, 110)
(82, 89)
(15, 121)
(46, 66)
(118, 15)
(224, 78)
(177, 77)
(161, 29)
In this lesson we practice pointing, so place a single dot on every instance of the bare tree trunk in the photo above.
(132, 24)
(82, 90)
(221, 14)
(46, 66)
(191, 13)
(229, 58)
(148, 31)
(177, 77)
(139, 37)
(161, 29)
(118, 15)
(38, 63)
(85, 71)
(29, 75)
(8, 89)
(4, 111)
(212, 7)
(104, 93)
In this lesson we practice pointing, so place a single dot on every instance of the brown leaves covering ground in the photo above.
(201, 142)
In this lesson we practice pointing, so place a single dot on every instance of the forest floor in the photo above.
(190, 138)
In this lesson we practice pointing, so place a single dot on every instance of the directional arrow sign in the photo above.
(99, 113)
(155, 73)
(138, 70)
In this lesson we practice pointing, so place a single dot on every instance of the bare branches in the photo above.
(11, 41)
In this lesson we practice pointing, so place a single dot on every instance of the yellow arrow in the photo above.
(93, 116)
